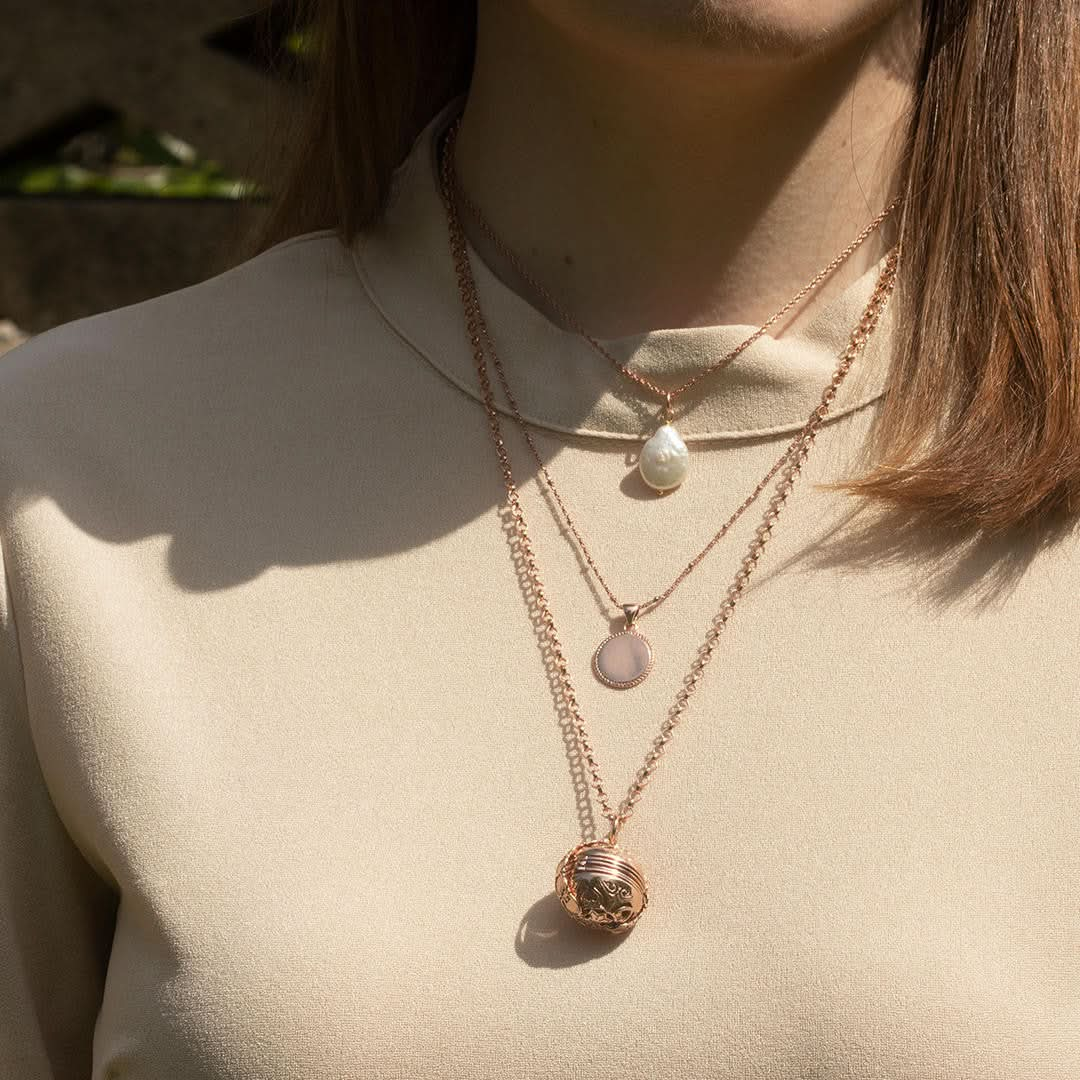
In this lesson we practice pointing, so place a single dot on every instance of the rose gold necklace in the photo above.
(623, 659)
(664, 460)
(598, 883)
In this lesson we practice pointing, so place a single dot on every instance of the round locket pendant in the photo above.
(600, 886)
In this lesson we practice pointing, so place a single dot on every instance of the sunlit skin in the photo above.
(679, 164)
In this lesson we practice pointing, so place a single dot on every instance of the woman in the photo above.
(305, 690)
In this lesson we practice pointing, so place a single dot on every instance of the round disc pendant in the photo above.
(664, 460)
(600, 886)
(623, 659)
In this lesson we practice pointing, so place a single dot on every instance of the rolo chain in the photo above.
(795, 459)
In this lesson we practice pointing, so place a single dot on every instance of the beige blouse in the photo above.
(283, 784)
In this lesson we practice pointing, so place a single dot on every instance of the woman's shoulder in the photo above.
(146, 389)
(268, 289)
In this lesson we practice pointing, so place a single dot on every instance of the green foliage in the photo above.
(120, 159)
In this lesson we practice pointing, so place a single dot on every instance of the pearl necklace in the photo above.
(664, 459)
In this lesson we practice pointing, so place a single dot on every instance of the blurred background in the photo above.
(136, 142)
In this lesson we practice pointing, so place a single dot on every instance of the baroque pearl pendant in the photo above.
(664, 460)
(601, 887)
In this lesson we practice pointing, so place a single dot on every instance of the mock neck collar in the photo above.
(560, 381)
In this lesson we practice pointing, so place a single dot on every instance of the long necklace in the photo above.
(599, 884)
(622, 659)
(664, 460)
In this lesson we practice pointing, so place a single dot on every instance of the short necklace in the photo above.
(664, 460)
(623, 659)
(598, 883)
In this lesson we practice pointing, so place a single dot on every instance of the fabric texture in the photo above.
(283, 785)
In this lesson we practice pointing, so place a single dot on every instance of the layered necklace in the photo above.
(622, 659)
(598, 883)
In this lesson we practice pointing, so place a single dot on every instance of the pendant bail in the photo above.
(630, 613)
(669, 407)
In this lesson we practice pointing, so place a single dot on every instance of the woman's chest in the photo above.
(337, 836)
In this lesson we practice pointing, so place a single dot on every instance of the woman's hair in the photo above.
(981, 425)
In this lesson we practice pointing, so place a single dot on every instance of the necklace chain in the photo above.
(452, 191)
(667, 396)
(476, 330)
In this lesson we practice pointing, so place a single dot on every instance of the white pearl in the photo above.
(664, 460)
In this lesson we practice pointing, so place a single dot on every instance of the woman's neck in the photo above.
(675, 186)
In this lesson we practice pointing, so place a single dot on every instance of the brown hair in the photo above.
(982, 424)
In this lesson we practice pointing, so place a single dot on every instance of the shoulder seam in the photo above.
(302, 238)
